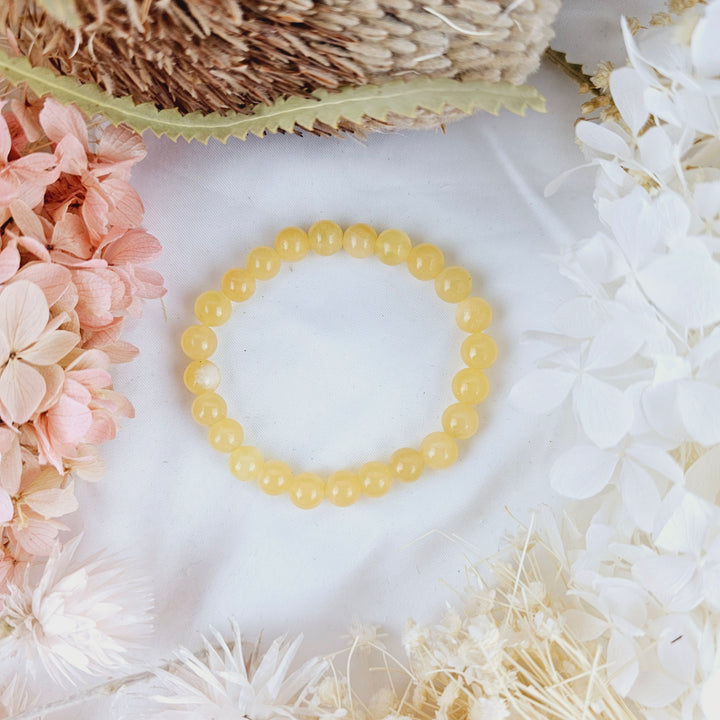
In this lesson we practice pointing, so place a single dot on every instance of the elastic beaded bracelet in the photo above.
(437, 450)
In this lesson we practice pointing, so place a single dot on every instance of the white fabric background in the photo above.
(339, 361)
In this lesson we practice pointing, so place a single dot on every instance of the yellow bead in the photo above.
(201, 376)
(208, 408)
(393, 247)
(470, 385)
(263, 262)
(407, 464)
(326, 237)
(225, 435)
(425, 261)
(479, 351)
(473, 315)
(453, 284)
(460, 420)
(307, 490)
(439, 450)
(238, 284)
(292, 244)
(246, 463)
(198, 342)
(212, 308)
(359, 240)
(275, 478)
(343, 488)
(375, 478)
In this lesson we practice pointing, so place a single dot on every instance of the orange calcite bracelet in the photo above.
(437, 450)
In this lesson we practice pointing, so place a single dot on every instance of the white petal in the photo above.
(685, 287)
(604, 412)
(640, 494)
(710, 696)
(580, 317)
(601, 139)
(51, 347)
(659, 403)
(622, 663)
(656, 150)
(656, 690)
(685, 528)
(627, 88)
(699, 405)
(541, 391)
(660, 104)
(616, 342)
(23, 313)
(582, 471)
(671, 579)
(657, 459)
(583, 626)
(677, 648)
(703, 476)
(704, 43)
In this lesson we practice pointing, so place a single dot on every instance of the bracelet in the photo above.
(393, 247)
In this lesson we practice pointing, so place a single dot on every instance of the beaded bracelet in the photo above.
(393, 247)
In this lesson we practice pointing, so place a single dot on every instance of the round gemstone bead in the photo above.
(439, 450)
(198, 342)
(212, 308)
(479, 351)
(425, 261)
(326, 237)
(292, 244)
(275, 478)
(225, 435)
(201, 376)
(393, 247)
(208, 408)
(453, 284)
(307, 490)
(407, 464)
(238, 284)
(375, 478)
(473, 315)
(470, 385)
(263, 262)
(460, 420)
(246, 462)
(343, 488)
(359, 240)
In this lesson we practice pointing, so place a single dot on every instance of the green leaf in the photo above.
(351, 103)
(63, 10)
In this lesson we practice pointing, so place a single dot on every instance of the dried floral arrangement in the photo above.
(236, 67)
(611, 610)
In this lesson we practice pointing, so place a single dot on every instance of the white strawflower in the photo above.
(222, 684)
(13, 698)
(77, 617)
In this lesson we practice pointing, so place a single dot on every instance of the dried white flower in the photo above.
(13, 698)
(221, 683)
(76, 618)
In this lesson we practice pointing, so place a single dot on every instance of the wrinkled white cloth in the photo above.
(338, 361)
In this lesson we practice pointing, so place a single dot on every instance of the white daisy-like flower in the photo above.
(222, 684)
(14, 698)
(76, 618)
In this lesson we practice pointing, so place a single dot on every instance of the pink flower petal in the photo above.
(71, 156)
(89, 360)
(51, 278)
(94, 299)
(54, 378)
(70, 235)
(23, 313)
(36, 247)
(50, 348)
(7, 509)
(68, 421)
(150, 283)
(103, 428)
(10, 461)
(22, 388)
(8, 193)
(28, 222)
(135, 246)
(5, 140)
(121, 352)
(126, 208)
(9, 261)
(121, 145)
(38, 535)
(53, 503)
(59, 121)
(95, 213)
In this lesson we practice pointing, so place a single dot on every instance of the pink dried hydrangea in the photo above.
(72, 268)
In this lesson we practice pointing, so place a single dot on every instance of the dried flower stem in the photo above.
(573, 70)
